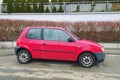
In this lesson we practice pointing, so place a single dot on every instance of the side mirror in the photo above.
(70, 40)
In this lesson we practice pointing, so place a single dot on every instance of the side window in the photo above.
(56, 35)
(34, 34)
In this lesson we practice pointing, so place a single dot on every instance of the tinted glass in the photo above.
(56, 35)
(34, 34)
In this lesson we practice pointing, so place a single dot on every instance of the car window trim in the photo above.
(42, 34)
(34, 38)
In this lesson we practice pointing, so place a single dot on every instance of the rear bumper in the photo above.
(16, 49)
(100, 56)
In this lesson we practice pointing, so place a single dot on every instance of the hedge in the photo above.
(95, 31)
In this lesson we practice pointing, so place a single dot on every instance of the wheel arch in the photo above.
(21, 48)
(86, 52)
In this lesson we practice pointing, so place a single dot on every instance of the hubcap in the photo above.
(23, 57)
(87, 60)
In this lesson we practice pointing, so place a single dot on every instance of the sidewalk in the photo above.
(113, 51)
(7, 52)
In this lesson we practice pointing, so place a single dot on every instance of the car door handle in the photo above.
(43, 44)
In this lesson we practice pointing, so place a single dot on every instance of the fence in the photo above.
(64, 7)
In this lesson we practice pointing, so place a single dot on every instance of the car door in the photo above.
(33, 41)
(56, 45)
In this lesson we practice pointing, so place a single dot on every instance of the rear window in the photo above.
(34, 34)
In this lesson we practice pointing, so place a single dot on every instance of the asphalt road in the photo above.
(11, 69)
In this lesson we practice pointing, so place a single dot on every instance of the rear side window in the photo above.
(34, 34)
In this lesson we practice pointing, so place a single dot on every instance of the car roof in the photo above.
(45, 27)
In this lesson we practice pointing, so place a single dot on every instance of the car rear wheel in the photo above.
(86, 60)
(24, 56)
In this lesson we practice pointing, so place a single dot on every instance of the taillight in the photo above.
(16, 42)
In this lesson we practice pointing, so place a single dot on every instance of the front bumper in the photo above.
(100, 56)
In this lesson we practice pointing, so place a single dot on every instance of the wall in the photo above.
(72, 17)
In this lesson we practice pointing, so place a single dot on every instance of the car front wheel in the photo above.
(86, 60)
(24, 56)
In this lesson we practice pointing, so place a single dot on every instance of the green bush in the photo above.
(10, 6)
(41, 8)
(47, 10)
(53, 0)
(17, 8)
(60, 0)
(46, 1)
(35, 8)
(28, 8)
(78, 8)
(30, 1)
(5, 1)
(60, 9)
(54, 10)
(23, 7)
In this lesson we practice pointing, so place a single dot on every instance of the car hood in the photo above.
(90, 42)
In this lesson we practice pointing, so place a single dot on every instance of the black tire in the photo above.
(24, 56)
(86, 60)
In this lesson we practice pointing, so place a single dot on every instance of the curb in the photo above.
(113, 53)
(6, 55)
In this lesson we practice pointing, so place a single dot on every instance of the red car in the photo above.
(54, 43)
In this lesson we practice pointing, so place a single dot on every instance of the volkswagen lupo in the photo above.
(54, 43)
